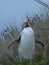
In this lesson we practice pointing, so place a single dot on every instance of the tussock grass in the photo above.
(9, 56)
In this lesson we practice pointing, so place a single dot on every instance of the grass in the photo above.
(8, 57)
(35, 61)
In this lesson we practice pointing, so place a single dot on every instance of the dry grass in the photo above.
(9, 56)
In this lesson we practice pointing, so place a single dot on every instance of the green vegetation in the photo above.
(41, 28)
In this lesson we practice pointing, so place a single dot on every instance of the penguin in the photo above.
(26, 48)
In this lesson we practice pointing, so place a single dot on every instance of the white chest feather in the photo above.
(27, 44)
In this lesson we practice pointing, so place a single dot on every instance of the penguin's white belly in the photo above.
(26, 48)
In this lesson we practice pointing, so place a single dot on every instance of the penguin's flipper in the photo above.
(14, 42)
(38, 41)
